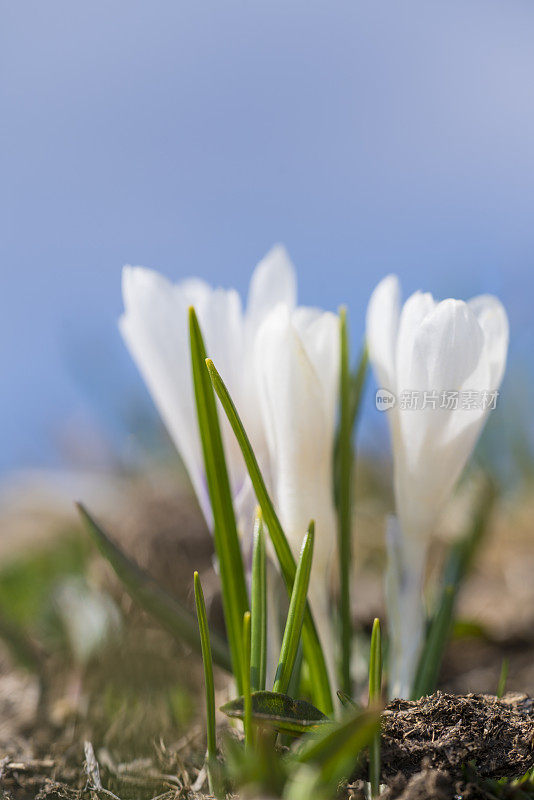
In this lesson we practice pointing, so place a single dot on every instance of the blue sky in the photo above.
(190, 136)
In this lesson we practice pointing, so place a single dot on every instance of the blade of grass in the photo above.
(303, 783)
(456, 568)
(503, 677)
(347, 701)
(247, 696)
(357, 385)
(295, 616)
(344, 497)
(208, 675)
(436, 640)
(258, 658)
(166, 610)
(335, 749)
(375, 698)
(294, 684)
(312, 647)
(234, 592)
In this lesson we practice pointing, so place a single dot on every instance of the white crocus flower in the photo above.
(429, 349)
(297, 371)
(155, 328)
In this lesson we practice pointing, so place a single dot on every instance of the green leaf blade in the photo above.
(335, 748)
(344, 457)
(456, 568)
(375, 698)
(166, 610)
(279, 711)
(247, 695)
(226, 540)
(208, 671)
(295, 616)
(312, 647)
(258, 656)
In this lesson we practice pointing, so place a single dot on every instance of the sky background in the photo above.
(368, 136)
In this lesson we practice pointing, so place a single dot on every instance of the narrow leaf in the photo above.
(166, 610)
(347, 701)
(247, 696)
(503, 677)
(435, 643)
(344, 459)
(357, 385)
(280, 711)
(208, 674)
(295, 616)
(234, 592)
(303, 783)
(312, 647)
(375, 698)
(336, 747)
(456, 568)
(258, 666)
(375, 665)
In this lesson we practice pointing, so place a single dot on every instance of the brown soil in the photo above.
(141, 751)
(447, 732)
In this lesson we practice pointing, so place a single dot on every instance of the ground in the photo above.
(127, 718)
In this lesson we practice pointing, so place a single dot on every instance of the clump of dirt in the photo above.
(447, 732)
(429, 784)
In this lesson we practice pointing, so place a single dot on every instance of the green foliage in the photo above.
(335, 749)
(234, 592)
(316, 765)
(350, 396)
(165, 609)
(314, 768)
(521, 788)
(503, 677)
(295, 616)
(208, 674)
(344, 503)
(375, 699)
(258, 654)
(259, 770)
(278, 711)
(312, 646)
(247, 694)
(27, 583)
(456, 568)
(347, 701)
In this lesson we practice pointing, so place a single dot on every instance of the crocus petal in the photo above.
(493, 320)
(414, 311)
(447, 348)
(154, 328)
(296, 418)
(452, 347)
(319, 333)
(381, 330)
(273, 281)
(298, 405)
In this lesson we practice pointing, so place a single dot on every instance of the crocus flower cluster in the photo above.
(435, 350)
(280, 363)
